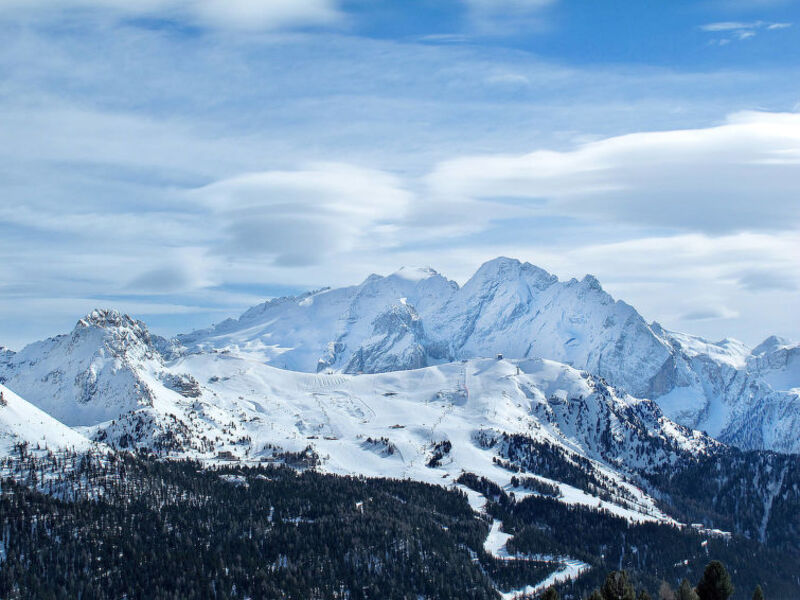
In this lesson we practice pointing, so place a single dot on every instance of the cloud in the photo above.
(237, 14)
(181, 270)
(767, 278)
(738, 25)
(706, 314)
(505, 17)
(300, 217)
(740, 30)
(509, 79)
(741, 175)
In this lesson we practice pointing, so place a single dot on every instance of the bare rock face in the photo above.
(183, 383)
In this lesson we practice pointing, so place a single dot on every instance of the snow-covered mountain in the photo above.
(559, 430)
(416, 317)
(103, 367)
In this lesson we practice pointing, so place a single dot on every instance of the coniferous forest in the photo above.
(142, 528)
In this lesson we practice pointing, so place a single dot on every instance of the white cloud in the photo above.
(736, 176)
(238, 14)
(738, 25)
(710, 313)
(740, 30)
(501, 17)
(299, 217)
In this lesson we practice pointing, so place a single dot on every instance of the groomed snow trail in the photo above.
(495, 545)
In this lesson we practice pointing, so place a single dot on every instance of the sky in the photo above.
(182, 160)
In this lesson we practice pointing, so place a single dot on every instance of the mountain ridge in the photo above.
(520, 310)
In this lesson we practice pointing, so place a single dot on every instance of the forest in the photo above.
(136, 527)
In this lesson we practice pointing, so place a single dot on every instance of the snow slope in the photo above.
(23, 423)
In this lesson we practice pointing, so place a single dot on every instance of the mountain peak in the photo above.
(770, 344)
(120, 332)
(415, 273)
(107, 318)
(591, 282)
(500, 264)
(503, 268)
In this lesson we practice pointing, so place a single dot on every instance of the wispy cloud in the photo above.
(503, 17)
(709, 313)
(740, 30)
(715, 179)
(237, 14)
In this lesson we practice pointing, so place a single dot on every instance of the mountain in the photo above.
(111, 380)
(102, 367)
(416, 317)
(107, 379)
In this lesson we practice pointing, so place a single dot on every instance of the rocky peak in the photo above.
(120, 335)
(107, 318)
(592, 283)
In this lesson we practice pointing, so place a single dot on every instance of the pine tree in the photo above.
(596, 595)
(643, 595)
(618, 587)
(551, 594)
(665, 591)
(716, 583)
(686, 591)
(758, 594)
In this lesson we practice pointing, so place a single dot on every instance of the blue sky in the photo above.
(184, 159)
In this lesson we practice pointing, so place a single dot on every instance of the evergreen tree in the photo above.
(758, 594)
(596, 595)
(686, 591)
(716, 583)
(551, 594)
(618, 587)
(665, 591)
(643, 595)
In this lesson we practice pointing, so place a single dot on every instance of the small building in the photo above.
(499, 357)
(226, 455)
